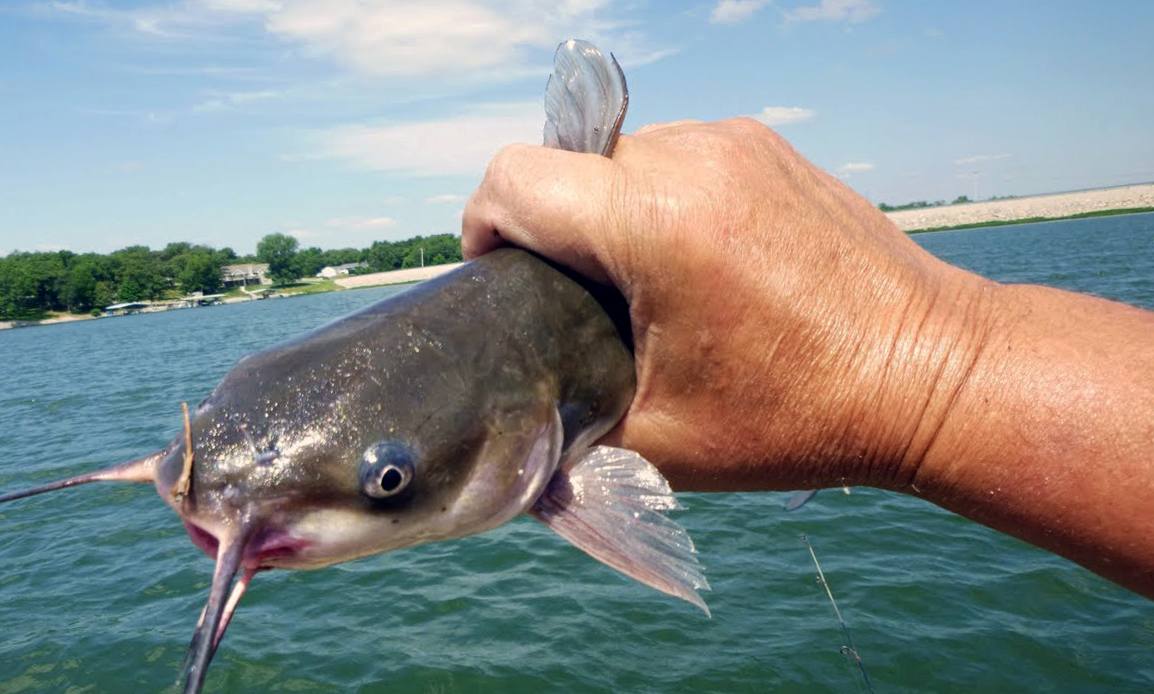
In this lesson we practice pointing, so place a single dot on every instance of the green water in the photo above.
(100, 588)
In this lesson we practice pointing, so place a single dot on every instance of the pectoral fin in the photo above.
(800, 499)
(608, 503)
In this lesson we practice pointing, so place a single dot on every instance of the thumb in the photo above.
(549, 201)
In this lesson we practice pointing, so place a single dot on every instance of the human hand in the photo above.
(787, 334)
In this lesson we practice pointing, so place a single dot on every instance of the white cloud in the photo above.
(217, 71)
(852, 11)
(456, 145)
(850, 168)
(980, 158)
(360, 223)
(407, 38)
(149, 116)
(636, 53)
(461, 39)
(444, 198)
(167, 21)
(784, 115)
(226, 101)
(734, 11)
(242, 5)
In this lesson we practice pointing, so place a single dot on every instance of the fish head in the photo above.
(313, 453)
(311, 456)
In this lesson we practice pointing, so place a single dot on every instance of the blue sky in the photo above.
(346, 121)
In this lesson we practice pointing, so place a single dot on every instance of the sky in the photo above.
(343, 122)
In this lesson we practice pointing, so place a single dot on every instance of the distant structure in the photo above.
(330, 271)
(196, 299)
(192, 301)
(127, 308)
(244, 274)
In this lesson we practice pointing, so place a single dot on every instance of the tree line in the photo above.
(920, 204)
(287, 262)
(34, 284)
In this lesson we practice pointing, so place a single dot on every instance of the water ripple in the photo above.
(100, 589)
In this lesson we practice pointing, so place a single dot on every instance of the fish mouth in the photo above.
(264, 549)
(247, 551)
(203, 539)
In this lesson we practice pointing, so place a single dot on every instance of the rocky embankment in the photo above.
(413, 274)
(1056, 205)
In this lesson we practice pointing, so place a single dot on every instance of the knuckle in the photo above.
(500, 168)
(745, 126)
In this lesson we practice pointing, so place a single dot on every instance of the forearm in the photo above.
(788, 336)
(1050, 437)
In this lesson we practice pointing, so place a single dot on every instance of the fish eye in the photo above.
(387, 467)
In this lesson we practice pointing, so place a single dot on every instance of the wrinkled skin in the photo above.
(789, 336)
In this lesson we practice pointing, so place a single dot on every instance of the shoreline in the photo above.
(406, 276)
(1099, 202)
(68, 318)
(1129, 199)
(376, 279)
(1034, 220)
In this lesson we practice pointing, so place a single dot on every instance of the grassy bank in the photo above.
(307, 286)
(1031, 220)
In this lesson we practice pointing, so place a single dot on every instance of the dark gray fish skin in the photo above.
(445, 369)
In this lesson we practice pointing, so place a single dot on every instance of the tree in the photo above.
(200, 271)
(133, 285)
(18, 289)
(310, 260)
(442, 248)
(383, 255)
(105, 295)
(80, 288)
(138, 274)
(174, 249)
(340, 256)
(280, 252)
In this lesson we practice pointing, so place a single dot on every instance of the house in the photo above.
(126, 309)
(331, 271)
(197, 299)
(244, 274)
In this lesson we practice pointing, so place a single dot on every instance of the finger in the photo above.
(479, 235)
(654, 127)
(545, 200)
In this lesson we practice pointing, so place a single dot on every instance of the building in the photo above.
(332, 271)
(126, 309)
(197, 299)
(244, 274)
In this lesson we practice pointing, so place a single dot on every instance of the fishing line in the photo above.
(847, 648)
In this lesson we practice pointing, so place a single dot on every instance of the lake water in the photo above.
(100, 588)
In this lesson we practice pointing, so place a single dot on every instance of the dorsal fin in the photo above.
(585, 100)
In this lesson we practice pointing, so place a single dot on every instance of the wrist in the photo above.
(920, 365)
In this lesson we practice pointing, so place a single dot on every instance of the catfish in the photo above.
(440, 412)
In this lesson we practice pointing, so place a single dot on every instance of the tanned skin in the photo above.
(788, 336)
